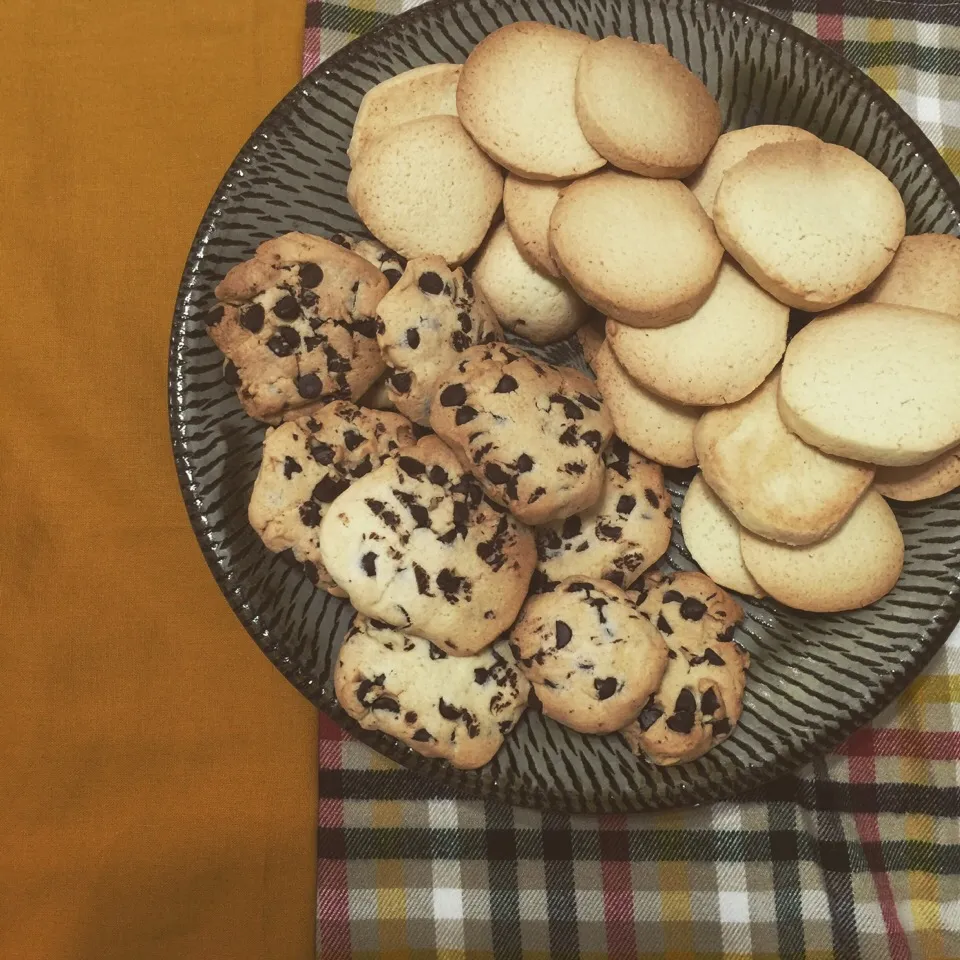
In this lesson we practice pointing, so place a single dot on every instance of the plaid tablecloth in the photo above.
(856, 856)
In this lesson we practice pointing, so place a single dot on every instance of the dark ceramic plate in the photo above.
(814, 679)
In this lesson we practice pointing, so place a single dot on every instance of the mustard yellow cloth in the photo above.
(157, 775)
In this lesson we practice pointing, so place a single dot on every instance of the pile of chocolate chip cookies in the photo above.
(493, 518)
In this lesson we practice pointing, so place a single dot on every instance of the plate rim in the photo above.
(746, 780)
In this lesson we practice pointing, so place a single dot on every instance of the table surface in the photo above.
(855, 856)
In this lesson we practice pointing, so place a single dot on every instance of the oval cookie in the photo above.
(712, 535)
(531, 304)
(875, 382)
(924, 273)
(812, 223)
(643, 110)
(657, 428)
(852, 568)
(932, 479)
(424, 187)
(515, 97)
(641, 251)
(730, 149)
(421, 92)
(776, 485)
(527, 206)
(717, 356)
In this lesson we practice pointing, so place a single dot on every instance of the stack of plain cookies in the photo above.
(495, 519)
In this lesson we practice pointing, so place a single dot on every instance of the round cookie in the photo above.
(457, 708)
(875, 382)
(527, 302)
(700, 699)
(924, 273)
(626, 531)
(424, 324)
(533, 434)
(388, 262)
(717, 356)
(591, 336)
(421, 92)
(811, 222)
(515, 98)
(641, 251)
(424, 187)
(527, 205)
(712, 535)
(296, 324)
(775, 484)
(931, 479)
(592, 659)
(416, 544)
(855, 566)
(643, 110)
(306, 465)
(659, 429)
(730, 149)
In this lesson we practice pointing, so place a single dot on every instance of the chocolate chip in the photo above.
(287, 308)
(570, 410)
(673, 596)
(721, 728)
(413, 338)
(505, 726)
(606, 531)
(481, 675)
(569, 437)
(453, 396)
(365, 326)
(352, 439)
(524, 463)
(496, 474)
(310, 513)
(663, 626)
(329, 488)
(626, 504)
(252, 318)
(593, 439)
(423, 579)
(605, 687)
(340, 240)
(712, 657)
(571, 527)
(448, 712)
(362, 468)
(410, 717)
(652, 498)
(411, 467)
(369, 564)
(449, 582)
(309, 386)
(385, 703)
(422, 736)
(727, 635)
(436, 653)
(709, 704)
(284, 342)
(649, 715)
(290, 467)
(231, 376)
(363, 688)
(322, 452)
(438, 475)
(420, 514)
(401, 382)
(376, 506)
(692, 609)
(591, 403)
(578, 586)
(680, 722)
(576, 467)
(312, 574)
(430, 282)
(311, 274)
(464, 415)
(214, 316)
(311, 343)
(506, 384)
(563, 633)
(466, 322)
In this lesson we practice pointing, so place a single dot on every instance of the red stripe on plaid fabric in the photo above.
(312, 38)
(333, 901)
(617, 887)
(863, 770)
(830, 27)
(923, 744)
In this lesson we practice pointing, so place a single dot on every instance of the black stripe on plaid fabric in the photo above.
(784, 851)
(502, 855)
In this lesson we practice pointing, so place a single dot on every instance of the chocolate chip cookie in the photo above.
(626, 531)
(699, 700)
(307, 464)
(297, 325)
(592, 658)
(533, 434)
(387, 261)
(416, 544)
(424, 325)
(458, 708)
